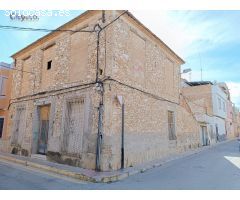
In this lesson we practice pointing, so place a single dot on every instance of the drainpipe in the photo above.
(99, 137)
(122, 147)
(121, 102)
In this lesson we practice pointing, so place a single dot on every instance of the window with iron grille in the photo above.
(171, 126)
(73, 128)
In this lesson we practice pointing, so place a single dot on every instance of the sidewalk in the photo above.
(91, 175)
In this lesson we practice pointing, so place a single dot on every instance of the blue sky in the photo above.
(12, 41)
(204, 39)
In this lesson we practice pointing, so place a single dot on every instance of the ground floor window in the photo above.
(205, 139)
(1, 126)
(73, 128)
(171, 126)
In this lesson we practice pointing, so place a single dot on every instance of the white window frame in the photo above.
(3, 85)
(219, 103)
(224, 106)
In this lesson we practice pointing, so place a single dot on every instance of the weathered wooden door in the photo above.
(43, 129)
(19, 126)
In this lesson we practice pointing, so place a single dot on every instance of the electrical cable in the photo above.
(3, 27)
(140, 90)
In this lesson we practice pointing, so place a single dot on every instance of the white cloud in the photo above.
(191, 32)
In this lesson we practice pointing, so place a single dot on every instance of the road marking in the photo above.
(234, 160)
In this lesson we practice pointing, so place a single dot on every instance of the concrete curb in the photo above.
(47, 168)
(105, 177)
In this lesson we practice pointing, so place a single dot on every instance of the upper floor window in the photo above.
(49, 65)
(219, 104)
(224, 106)
(3, 86)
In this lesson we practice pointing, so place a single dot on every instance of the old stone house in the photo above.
(5, 95)
(68, 106)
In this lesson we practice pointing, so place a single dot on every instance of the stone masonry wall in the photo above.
(146, 128)
(151, 69)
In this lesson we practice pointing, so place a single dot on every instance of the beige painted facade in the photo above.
(5, 96)
(236, 121)
(133, 63)
(200, 99)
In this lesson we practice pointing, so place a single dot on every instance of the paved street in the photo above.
(215, 168)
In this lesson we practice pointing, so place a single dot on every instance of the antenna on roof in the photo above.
(201, 74)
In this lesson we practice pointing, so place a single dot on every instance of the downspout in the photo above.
(122, 147)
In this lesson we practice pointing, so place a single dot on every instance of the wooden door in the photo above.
(43, 129)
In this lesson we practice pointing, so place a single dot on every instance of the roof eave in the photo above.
(178, 57)
(50, 34)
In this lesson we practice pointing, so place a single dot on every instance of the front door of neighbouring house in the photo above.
(217, 135)
(43, 129)
(204, 135)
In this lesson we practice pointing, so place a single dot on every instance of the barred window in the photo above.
(171, 126)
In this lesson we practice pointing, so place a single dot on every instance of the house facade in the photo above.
(5, 95)
(236, 121)
(229, 108)
(209, 105)
(69, 87)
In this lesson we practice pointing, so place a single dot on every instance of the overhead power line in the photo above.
(3, 27)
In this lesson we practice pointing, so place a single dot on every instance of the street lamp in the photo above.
(186, 70)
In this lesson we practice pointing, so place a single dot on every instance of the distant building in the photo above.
(208, 103)
(5, 95)
(236, 121)
(229, 108)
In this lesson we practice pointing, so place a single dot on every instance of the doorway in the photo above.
(204, 135)
(43, 129)
(217, 135)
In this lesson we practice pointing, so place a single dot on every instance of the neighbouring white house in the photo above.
(229, 116)
(208, 103)
(219, 103)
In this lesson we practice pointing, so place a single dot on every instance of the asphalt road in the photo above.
(214, 168)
